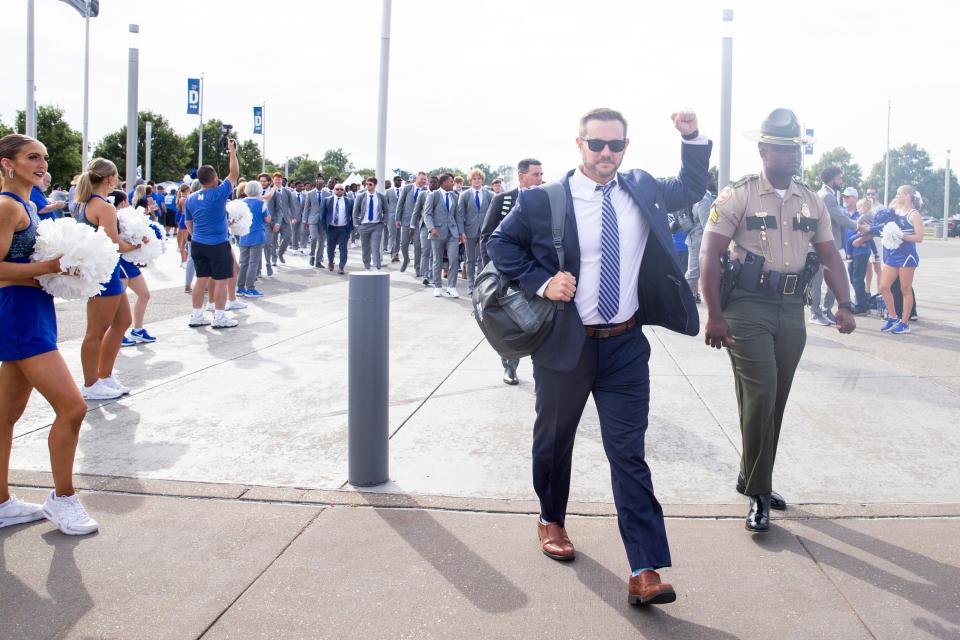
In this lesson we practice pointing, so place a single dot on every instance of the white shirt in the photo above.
(633, 230)
(338, 219)
(365, 214)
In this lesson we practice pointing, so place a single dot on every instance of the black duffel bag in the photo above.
(513, 324)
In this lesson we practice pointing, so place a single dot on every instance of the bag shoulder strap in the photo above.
(558, 215)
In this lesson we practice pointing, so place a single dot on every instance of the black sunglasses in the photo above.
(596, 145)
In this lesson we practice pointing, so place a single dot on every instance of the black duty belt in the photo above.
(775, 283)
(610, 330)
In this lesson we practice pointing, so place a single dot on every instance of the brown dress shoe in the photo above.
(646, 588)
(554, 541)
(330, 266)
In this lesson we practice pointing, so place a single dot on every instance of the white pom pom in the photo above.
(149, 251)
(134, 225)
(239, 217)
(891, 236)
(89, 256)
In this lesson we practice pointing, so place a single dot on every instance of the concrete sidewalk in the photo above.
(208, 567)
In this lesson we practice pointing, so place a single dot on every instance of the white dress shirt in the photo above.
(633, 230)
(365, 214)
(339, 220)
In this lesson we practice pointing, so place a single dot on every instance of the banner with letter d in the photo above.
(258, 119)
(193, 96)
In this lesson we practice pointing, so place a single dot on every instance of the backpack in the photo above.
(513, 324)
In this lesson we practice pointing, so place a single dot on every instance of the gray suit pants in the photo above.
(403, 234)
(394, 246)
(472, 256)
(426, 254)
(418, 253)
(316, 242)
(300, 237)
(249, 264)
(370, 235)
(286, 237)
(816, 289)
(270, 248)
(452, 245)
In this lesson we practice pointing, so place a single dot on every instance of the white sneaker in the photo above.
(116, 384)
(15, 511)
(198, 320)
(234, 305)
(210, 307)
(100, 390)
(223, 322)
(437, 293)
(69, 515)
(451, 293)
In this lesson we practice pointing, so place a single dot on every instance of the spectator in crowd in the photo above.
(28, 350)
(857, 248)
(700, 213)
(46, 209)
(251, 244)
(496, 186)
(832, 179)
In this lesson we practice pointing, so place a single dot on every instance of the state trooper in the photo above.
(758, 313)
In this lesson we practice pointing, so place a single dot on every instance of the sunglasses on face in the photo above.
(596, 145)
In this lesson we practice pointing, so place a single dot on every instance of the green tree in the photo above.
(451, 170)
(304, 168)
(332, 171)
(168, 150)
(338, 158)
(909, 164)
(213, 153)
(840, 157)
(5, 130)
(932, 191)
(250, 159)
(62, 141)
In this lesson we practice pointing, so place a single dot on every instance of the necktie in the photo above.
(476, 197)
(609, 301)
(397, 191)
(446, 201)
(416, 192)
(369, 208)
(336, 212)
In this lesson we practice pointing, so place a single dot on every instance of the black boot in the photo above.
(510, 376)
(758, 518)
(776, 500)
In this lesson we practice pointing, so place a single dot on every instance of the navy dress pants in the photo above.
(615, 370)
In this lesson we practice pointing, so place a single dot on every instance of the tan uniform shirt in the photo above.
(773, 230)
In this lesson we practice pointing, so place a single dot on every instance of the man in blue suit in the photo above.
(338, 221)
(620, 272)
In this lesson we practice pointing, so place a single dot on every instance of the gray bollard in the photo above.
(368, 377)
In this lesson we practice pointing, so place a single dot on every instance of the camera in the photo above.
(225, 130)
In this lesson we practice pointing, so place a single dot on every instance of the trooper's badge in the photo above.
(723, 196)
(805, 210)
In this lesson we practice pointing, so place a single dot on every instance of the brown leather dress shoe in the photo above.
(646, 588)
(554, 541)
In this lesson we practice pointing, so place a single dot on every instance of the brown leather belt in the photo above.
(609, 330)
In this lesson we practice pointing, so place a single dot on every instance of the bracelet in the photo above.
(848, 306)
(693, 135)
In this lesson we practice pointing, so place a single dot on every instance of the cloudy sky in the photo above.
(496, 80)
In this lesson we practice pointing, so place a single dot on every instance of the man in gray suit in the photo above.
(312, 216)
(409, 195)
(422, 250)
(391, 237)
(298, 232)
(369, 212)
(832, 178)
(441, 217)
(283, 210)
(472, 208)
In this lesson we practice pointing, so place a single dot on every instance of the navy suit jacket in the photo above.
(327, 211)
(522, 249)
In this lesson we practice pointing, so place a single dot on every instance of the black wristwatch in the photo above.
(846, 305)
(693, 135)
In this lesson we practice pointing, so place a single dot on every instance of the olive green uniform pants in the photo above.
(770, 335)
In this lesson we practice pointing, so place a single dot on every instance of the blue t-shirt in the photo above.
(850, 236)
(159, 200)
(680, 241)
(170, 202)
(37, 198)
(256, 235)
(207, 209)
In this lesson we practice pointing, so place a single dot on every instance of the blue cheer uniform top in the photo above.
(906, 254)
(113, 286)
(28, 319)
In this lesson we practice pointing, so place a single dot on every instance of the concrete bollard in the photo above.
(368, 377)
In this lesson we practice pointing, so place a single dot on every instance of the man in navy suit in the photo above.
(338, 221)
(620, 272)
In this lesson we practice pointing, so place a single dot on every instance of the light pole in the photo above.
(133, 72)
(886, 162)
(726, 89)
(946, 195)
(30, 112)
(148, 149)
(86, 86)
(382, 109)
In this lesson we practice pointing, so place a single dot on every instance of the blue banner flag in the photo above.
(258, 119)
(808, 149)
(193, 96)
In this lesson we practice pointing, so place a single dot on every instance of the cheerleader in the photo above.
(28, 346)
(134, 281)
(108, 314)
(902, 261)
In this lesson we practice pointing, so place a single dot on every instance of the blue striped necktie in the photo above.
(609, 302)
(369, 207)
(476, 196)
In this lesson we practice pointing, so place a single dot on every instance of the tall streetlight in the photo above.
(946, 195)
(30, 112)
(726, 90)
(133, 73)
(382, 109)
(886, 162)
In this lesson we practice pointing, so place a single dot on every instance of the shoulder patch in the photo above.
(714, 215)
(723, 196)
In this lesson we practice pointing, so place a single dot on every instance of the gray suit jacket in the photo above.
(406, 203)
(299, 206)
(437, 216)
(313, 207)
(839, 218)
(360, 209)
(392, 200)
(283, 207)
(416, 218)
(472, 216)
